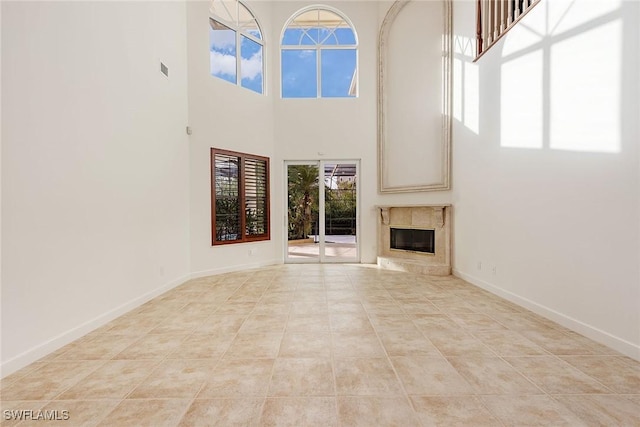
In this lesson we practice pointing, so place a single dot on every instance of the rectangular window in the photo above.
(239, 197)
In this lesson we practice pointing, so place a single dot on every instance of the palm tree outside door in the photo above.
(322, 211)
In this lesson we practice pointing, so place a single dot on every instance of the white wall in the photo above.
(546, 165)
(283, 129)
(412, 96)
(333, 129)
(106, 201)
(1, 184)
(223, 115)
(341, 128)
(430, 197)
(94, 166)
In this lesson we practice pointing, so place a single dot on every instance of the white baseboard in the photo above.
(623, 346)
(41, 350)
(234, 268)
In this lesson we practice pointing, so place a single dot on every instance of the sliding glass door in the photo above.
(322, 206)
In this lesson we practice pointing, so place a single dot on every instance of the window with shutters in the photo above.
(239, 197)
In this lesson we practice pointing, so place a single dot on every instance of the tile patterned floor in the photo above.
(328, 345)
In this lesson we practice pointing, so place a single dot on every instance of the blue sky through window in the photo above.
(251, 65)
(230, 41)
(299, 74)
(299, 66)
(222, 47)
(338, 66)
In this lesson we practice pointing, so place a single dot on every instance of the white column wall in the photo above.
(546, 165)
(311, 129)
(95, 178)
(106, 201)
(223, 115)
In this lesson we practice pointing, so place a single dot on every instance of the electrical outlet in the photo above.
(494, 270)
(479, 265)
(252, 251)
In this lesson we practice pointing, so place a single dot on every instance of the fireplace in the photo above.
(412, 239)
(415, 238)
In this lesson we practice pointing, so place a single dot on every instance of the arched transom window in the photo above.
(236, 45)
(319, 55)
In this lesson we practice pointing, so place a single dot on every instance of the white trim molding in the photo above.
(33, 354)
(619, 344)
(235, 268)
(384, 139)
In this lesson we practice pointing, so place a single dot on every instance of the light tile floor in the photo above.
(325, 345)
(309, 251)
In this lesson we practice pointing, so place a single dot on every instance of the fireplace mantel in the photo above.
(431, 217)
(438, 211)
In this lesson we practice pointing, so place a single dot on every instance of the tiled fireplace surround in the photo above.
(427, 217)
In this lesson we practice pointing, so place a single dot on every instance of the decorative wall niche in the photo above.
(414, 97)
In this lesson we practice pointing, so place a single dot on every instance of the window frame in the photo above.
(239, 33)
(242, 157)
(318, 48)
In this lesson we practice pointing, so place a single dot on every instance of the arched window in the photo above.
(236, 45)
(319, 55)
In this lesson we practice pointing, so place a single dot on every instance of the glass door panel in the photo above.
(340, 211)
(303, 204)
(322, 218)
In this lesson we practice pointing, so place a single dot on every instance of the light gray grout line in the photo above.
(549, 354)
(120, 400)
(471, 332)
(31, 367)
(555, 396)
(395, 372)
(495, 416)
(284, 330)
(475, 395)
(219, 359)
(104, 361)
(539, 387)
(273, 367)
(166, 358)
(611, 391)
(600, 356)
(628, 361)
(479, 396)
(186, 408)
(333, 363)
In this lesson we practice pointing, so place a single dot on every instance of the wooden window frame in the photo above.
(244, 238)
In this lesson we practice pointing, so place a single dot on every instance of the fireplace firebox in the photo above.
(413, 239)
